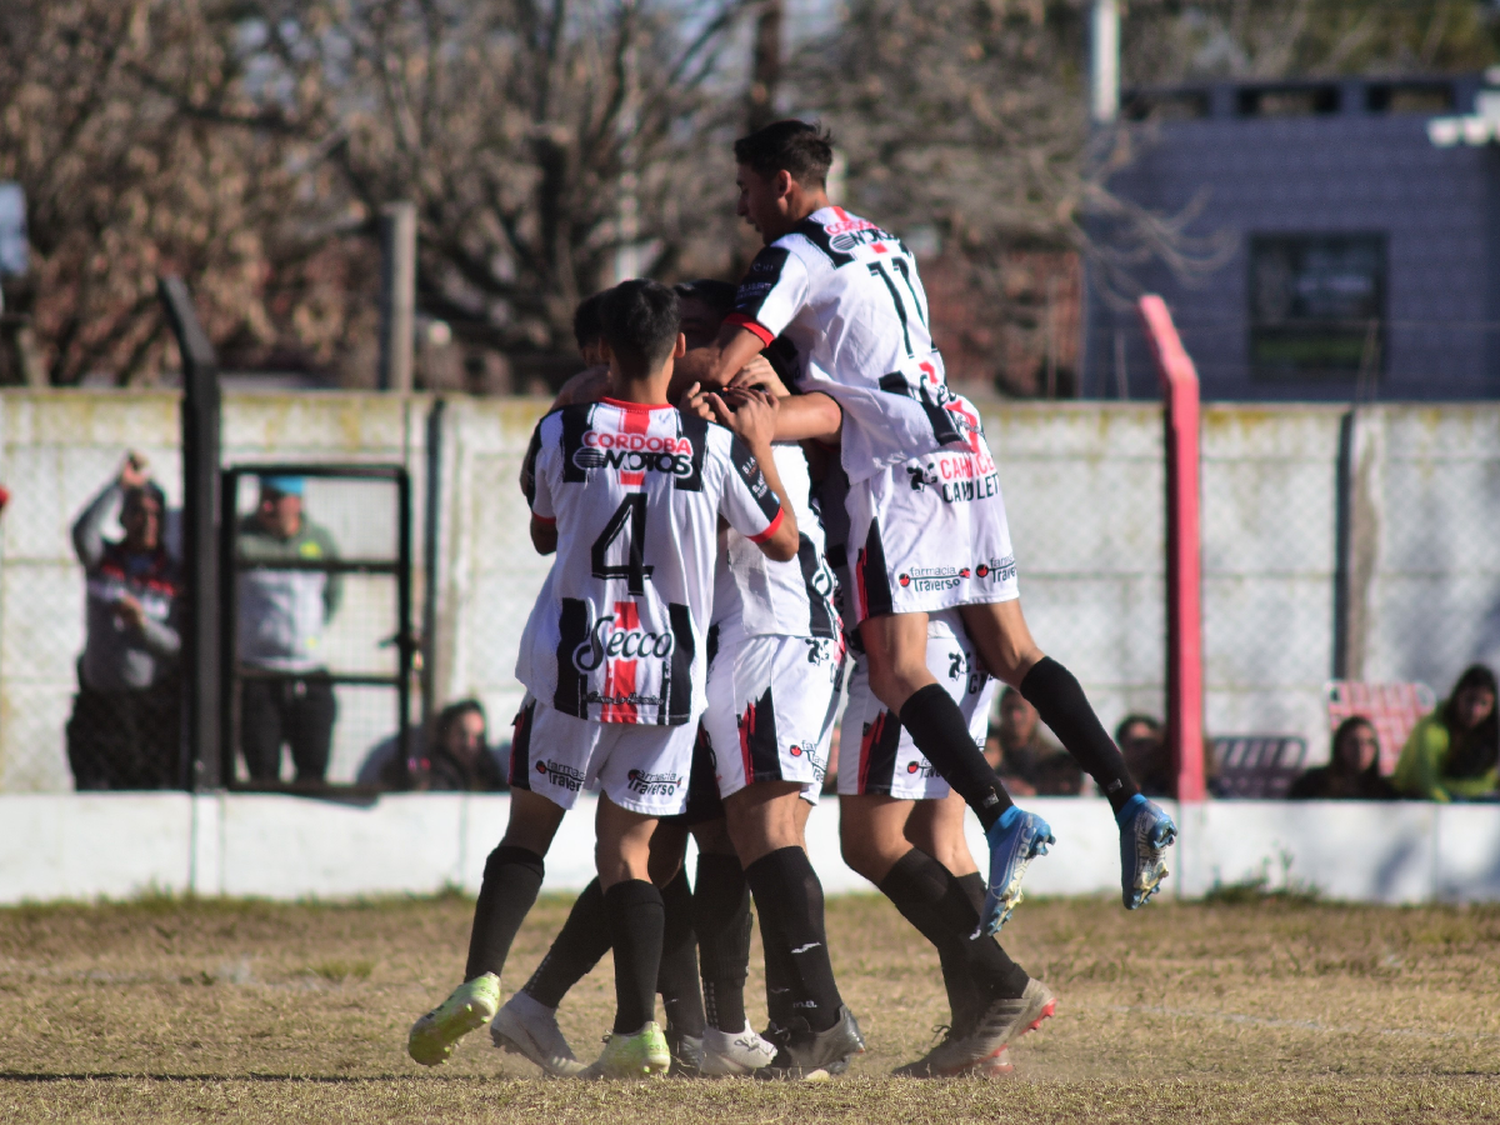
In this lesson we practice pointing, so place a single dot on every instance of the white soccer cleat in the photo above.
(733, 1053)
(526, 1026)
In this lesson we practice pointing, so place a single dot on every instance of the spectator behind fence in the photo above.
(1353, 769)
(126, 727)
(1027, 761)
(1453, 753)
(1143, 743)
(458, 757)
(285, 693)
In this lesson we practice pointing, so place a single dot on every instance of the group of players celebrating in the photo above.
(817, 506)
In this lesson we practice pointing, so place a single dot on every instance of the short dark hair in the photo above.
(449, 716)
(1153, 725)
(639, 320)
(803, 150)
(586, 328)
(717, 295)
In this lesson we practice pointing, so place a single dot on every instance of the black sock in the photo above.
(941, 732)
(973, 886)
(512, 877)
(781, 981)
(1059, 700)
(579, 945)
(636, 921)
(788, 894)
(933, 900)
(677, 978)
(721, 917)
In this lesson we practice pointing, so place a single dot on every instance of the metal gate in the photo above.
(315, 625)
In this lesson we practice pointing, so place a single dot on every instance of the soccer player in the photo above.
(775, 673)
(628, 491)
(927, 523)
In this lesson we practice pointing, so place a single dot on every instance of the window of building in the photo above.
(1317, 304)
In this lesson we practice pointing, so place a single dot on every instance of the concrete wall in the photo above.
(85, 846)
(1083, 485)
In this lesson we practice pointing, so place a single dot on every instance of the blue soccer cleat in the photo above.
(1145, 835)
(1015, 839)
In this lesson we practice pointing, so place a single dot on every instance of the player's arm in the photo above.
(813, 416)
(753, 422)
(543, 535)
(536, 486)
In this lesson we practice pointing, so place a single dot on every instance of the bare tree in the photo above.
(121, 186)
(521, 128)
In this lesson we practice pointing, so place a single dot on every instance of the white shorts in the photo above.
(771, 703)
(929, 535)
(876, 754)
(640, 767)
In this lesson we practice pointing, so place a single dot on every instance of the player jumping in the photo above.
(928, 529)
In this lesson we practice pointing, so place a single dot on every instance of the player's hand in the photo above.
(129, 611)
(759, 373)
(695, 401)
(750, 414)
(135, 472)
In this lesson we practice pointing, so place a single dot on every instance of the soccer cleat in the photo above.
(726, 1053)
(1015, 840)
(814, 1056)
(954, 1057)
(686, 1052)
(1145, 835)
(526, 1026)
(472, 1004)
(983, 1051)
(642, 1054)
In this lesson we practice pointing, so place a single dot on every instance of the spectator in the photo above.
(459, 758)
(285, 693)
(126, 727)
(1027, 761)
(1143, 742)
(1453, 753)
(1353, 769)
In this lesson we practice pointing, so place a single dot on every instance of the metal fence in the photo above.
(1368, 546)
(316, 610)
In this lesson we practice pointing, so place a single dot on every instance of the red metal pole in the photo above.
(1184, 576)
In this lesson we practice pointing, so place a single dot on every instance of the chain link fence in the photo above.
(1361, 547)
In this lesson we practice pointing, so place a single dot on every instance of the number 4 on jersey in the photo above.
(629, 520)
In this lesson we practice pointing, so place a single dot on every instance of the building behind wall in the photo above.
(1359, 255)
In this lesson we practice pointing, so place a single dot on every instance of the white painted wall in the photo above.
(116, 845)
(1084, 491)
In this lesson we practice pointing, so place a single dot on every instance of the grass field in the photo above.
(1260, 1010)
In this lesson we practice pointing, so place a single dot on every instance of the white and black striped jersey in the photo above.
(617, 634)
(755, 596)
(847, 295)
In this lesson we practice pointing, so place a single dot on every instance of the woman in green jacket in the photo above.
(1454, 753)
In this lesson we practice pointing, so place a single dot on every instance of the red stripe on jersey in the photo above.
(842, 214)
(770, 531)
(619, 679)
(627, 615)
(880, 248)
(637, 421)
(740, 320)
(548, 520)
